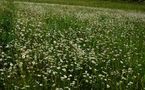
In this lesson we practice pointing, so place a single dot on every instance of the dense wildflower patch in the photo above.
(66, 48)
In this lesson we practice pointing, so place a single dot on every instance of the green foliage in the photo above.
(136, 0)
(6, 36)
(67, 47)
(113, 4)
(6, 25)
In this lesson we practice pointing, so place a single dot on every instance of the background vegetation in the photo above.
(113, 4)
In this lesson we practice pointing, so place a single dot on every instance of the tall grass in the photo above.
(6, 37)
(56, 47)
(113, 4)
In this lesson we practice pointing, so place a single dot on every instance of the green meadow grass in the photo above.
(62, 47)
(97, 3)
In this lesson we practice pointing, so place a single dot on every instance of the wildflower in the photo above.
(108, 86)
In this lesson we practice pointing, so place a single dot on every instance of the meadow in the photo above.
(113, 4)
(65, 47)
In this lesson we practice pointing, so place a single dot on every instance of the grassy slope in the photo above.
(69, 40)
(96, 3)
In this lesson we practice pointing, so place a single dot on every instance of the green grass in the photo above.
(97, 3)
(6, 36)
(72, 47)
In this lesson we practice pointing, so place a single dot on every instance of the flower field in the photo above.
(64, 47)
